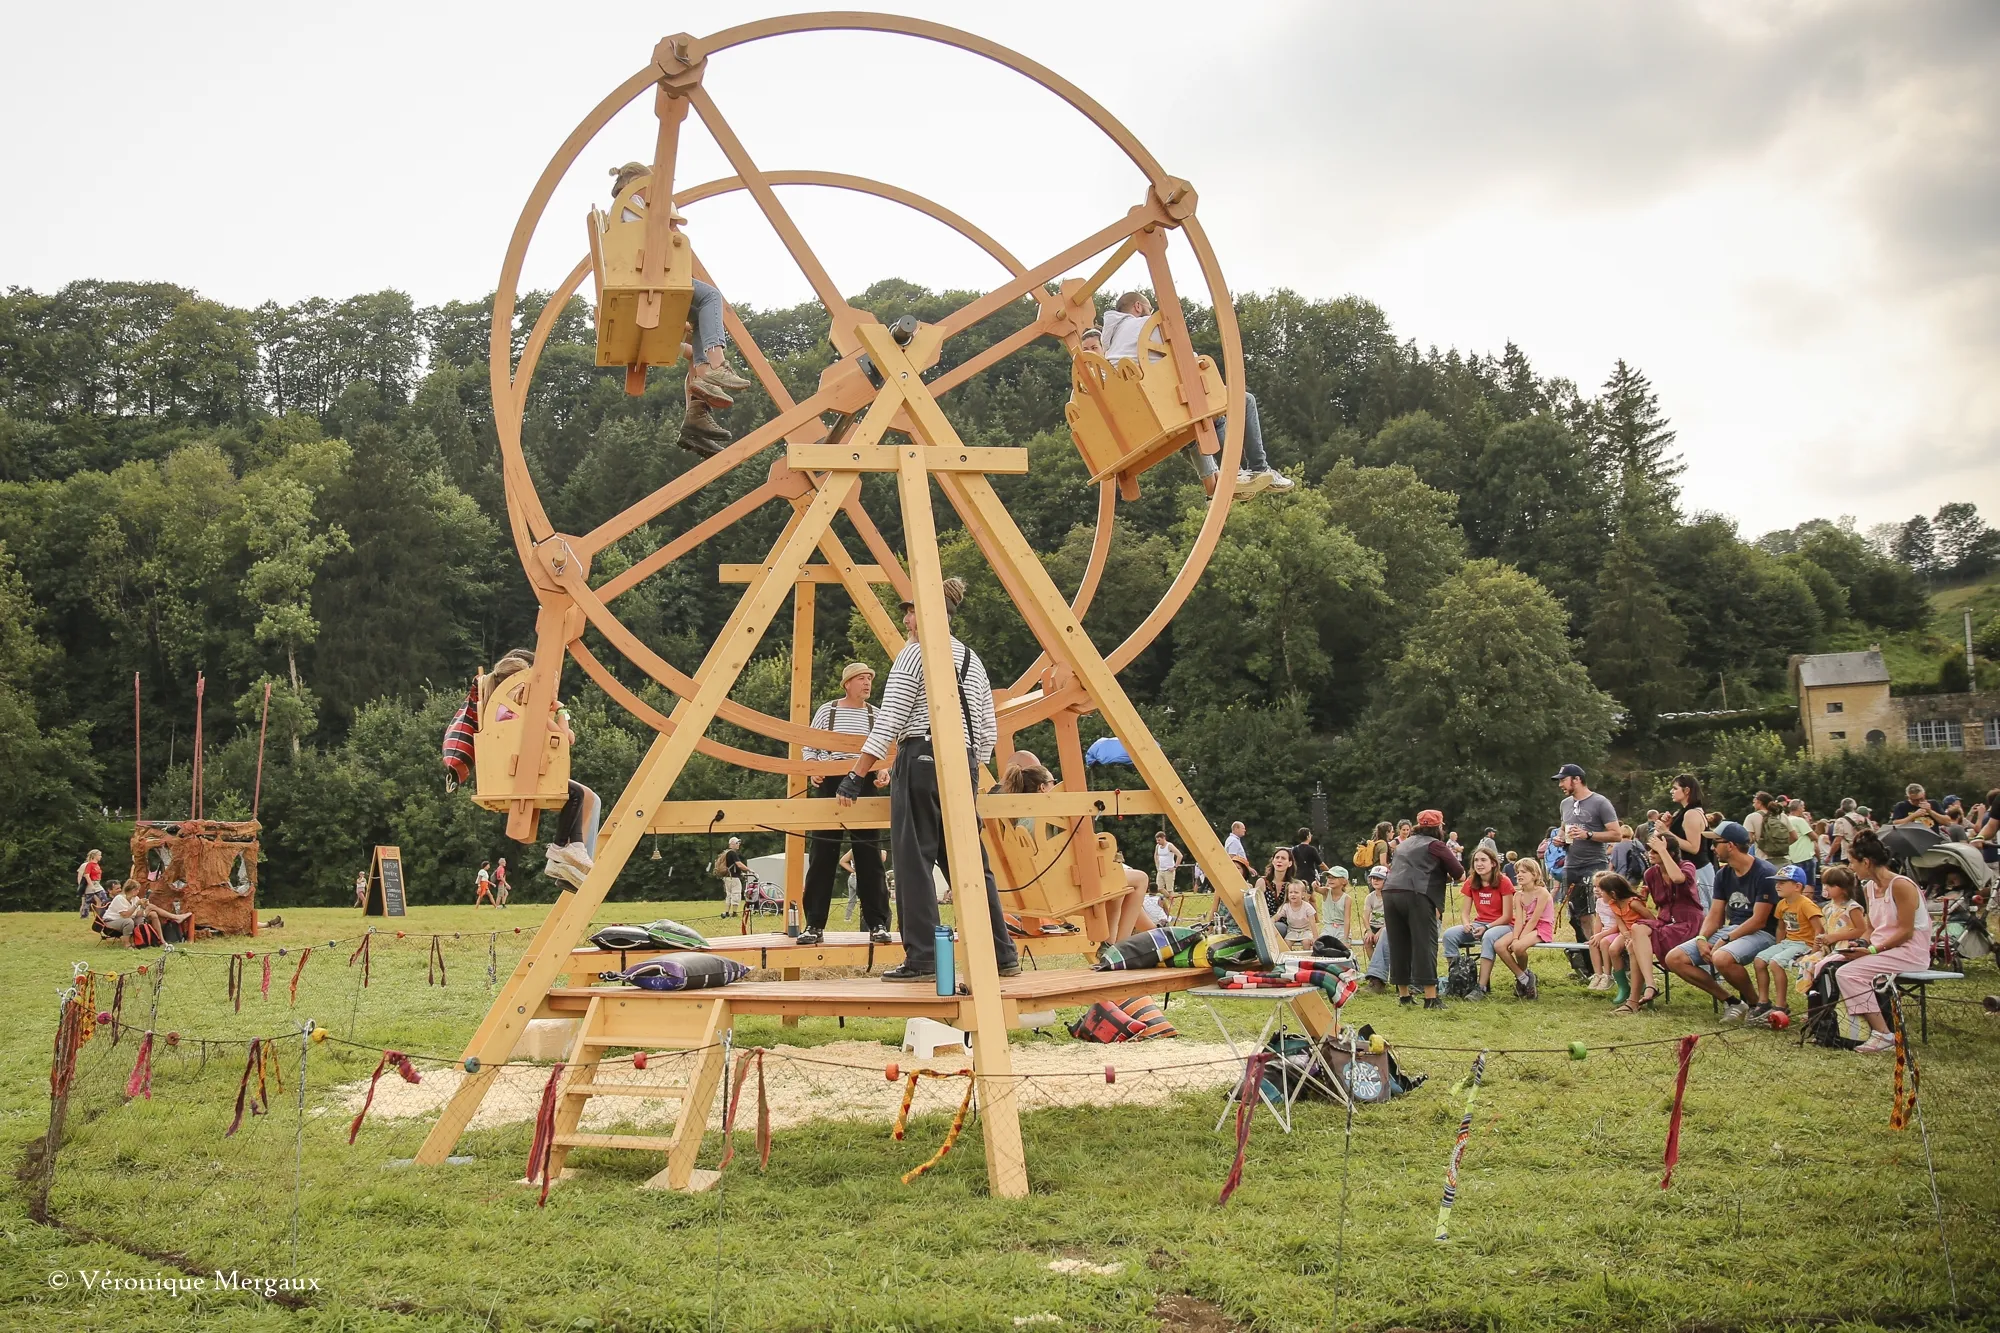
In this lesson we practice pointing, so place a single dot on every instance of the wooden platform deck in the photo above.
(868, 997)
(841, 948)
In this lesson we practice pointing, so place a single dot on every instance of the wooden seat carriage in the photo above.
(641, 312)
(1057, 868)
(1128, 416)
(520, 759)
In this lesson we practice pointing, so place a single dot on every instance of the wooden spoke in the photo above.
(844, 316)
(729, 515)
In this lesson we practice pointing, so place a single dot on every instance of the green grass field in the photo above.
(1794, 1206)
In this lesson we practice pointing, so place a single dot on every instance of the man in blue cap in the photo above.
(1736, 928)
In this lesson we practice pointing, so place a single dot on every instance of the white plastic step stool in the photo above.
(923, 1036)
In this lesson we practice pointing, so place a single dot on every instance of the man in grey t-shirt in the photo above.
(1586, 825)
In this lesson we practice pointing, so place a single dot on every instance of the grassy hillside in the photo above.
(1913, 655)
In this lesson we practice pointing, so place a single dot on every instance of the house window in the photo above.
(1877, 738)
(1836, 708)
(1937, 733)
(1836, 735)
(1993, 733)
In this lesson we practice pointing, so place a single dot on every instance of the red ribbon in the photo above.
(260, 1102)
(141, 1082)
(436, 973)
(756, 1054)
(297, 971)
(236, 981)
(1672, 1156)
(361, 952)
(545, 1132)
(402, 1066)
(1902, 1105)
(1247, 1097)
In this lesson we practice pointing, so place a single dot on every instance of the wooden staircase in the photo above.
(630, 1022)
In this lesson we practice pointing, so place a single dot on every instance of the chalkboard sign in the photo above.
(385, 885)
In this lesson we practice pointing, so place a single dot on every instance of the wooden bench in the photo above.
(1918, 984)
(1575, 947)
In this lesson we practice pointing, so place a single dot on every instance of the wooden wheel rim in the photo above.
(550, 558)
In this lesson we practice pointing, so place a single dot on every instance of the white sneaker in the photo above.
(1275, 480)
(1735, 1011)
(1877, 1044)
(1249, 483)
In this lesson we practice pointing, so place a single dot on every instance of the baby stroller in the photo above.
(757, 898)
(1958, 887)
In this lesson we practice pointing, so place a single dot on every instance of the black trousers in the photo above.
(916, 840)
(823, 866)
(1412, 926)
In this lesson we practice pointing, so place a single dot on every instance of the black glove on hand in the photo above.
(852, 786)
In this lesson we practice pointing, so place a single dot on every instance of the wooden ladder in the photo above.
(642, 1020)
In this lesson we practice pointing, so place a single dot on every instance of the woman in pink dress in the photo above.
(1898, 940)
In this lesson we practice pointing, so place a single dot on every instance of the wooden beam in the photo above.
(887, 458)
(999, 1108)
(734, 573)
(804, 814)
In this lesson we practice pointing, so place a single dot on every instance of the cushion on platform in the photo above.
(1106, 1022)
(670, 934)
(622, 937)
(1162, 946)
(694, 972)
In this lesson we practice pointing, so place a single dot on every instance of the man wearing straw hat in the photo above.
(916, 816)
(853, 714)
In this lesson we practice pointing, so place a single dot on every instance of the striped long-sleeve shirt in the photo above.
(838, 715)
(906, 712)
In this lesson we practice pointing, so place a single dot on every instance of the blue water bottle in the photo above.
(947, 963)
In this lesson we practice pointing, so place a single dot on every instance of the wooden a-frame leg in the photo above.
(580, 1070)
(522, 997)
(693, 1123)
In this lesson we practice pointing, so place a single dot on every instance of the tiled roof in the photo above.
(1822, 669)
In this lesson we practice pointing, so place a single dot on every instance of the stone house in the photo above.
(1844, 700)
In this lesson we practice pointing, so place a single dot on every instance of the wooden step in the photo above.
(626, 1090)
(639, 1142)
(668, 1043)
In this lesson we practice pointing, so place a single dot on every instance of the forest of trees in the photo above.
(1484, 572)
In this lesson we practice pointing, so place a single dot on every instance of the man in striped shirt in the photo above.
(916, 817)
(851, 713)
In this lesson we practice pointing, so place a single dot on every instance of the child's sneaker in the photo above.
(1876, 1044)
(1529, 988)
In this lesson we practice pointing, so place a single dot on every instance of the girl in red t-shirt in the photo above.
(1488, 918)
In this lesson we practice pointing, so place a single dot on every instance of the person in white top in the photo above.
(916, 813)
(851, 714)
(1166, 860)
(1123, 325)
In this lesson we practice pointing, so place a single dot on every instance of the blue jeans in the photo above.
(1378, 960)
(1254, 458)
(705, 310)
(1458, 937)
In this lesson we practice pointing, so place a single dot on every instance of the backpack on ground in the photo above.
(1462, 978)
(1775, 837)
(1822, 1024)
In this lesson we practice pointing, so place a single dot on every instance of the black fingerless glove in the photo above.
(852, 786)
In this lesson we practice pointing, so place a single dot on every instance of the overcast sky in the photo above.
(1786, 214)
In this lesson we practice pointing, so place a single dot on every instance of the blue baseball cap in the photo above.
(1567, 771)
(1797, 874)
(1731, 831)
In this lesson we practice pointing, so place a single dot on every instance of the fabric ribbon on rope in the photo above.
(236, 981)
(1458, 1150)
(264, 986)
(545, 1132)
(117, 1005)
(957, 1121)
(1673, 1152)
(69, 1038)
(299, 971)
(140, 1084)
(1247, 1095)
(1901, 1105)
(260, 1063)
(361, 955)
(86, 1003)
(743, 1068)
(401, 1064)
(435, 975)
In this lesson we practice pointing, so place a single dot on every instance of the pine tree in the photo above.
(1634, 443)
(1635, 645)
(1916, 546)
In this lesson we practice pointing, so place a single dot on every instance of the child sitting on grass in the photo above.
(1798, 918)
(1296, 917)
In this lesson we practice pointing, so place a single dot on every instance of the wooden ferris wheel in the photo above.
(1126, 417)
